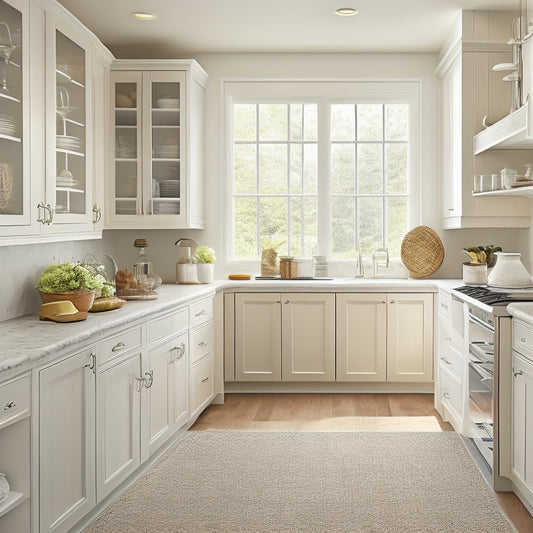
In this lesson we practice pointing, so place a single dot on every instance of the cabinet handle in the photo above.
(446, 395)
(119, 346)
(278, 301)
(9, 405)
(46, 218)
(205, 380)
(149, 379)
(382, 302)
(97, 213)
(450, 208)
(286, 302)
(444, 306)
(201, 313)
(393, 301)
(201, 344)
(92, 364)
(180, 352)
(518, 373)
(445, 360)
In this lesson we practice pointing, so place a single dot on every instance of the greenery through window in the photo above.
(279, 196)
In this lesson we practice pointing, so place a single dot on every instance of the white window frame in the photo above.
(324, 93)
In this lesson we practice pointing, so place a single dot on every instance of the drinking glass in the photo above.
(6, 49)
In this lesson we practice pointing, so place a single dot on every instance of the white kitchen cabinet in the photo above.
(202, 345)
(410, 337)
(361, 337)
(118, 411)
(308, 337)
(158, 154)
(257, 337)
(56, 69)
(385, 337)
(15, 412)
(450, 389)
(284, 337)
(168, 395)
(470, 91)
(66, 441)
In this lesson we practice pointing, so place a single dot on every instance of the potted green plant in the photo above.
(69, 281)
(205, 264)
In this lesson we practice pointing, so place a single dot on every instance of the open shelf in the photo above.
(13, 499)
(516, 191)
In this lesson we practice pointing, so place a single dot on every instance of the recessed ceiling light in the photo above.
(143, 15)
(346, 11)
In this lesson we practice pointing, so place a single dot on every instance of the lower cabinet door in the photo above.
(202, 384)
(118, 431)
(167, 393)
(66, 442)
(361, 337)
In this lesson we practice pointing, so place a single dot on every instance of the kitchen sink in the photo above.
(302, 278)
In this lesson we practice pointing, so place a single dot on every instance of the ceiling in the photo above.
(187, 27)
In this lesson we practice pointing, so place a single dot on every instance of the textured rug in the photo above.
(274, 482)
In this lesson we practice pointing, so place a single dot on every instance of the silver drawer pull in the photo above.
(445, 360)
(446, 395)
(201, 344)
(119, 346)
(149, 379)
(140, 383)
(9, 405)
(519, 373)
(522, 339)
(205, 380)
(444, 306)
(180, 352)
(449, 339)
(201, 313)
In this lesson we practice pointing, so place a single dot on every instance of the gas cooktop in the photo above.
(494, 295)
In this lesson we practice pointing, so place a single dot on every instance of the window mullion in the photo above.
(324, 177)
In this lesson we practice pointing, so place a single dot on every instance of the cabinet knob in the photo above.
(201, 344)
(200, 313)
(393, 301)
(522, 339)
(446, 395)
(286, 302)
(382, 302)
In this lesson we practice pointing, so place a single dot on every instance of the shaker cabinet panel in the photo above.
(66, 442)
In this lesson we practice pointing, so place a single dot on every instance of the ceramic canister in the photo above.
(509, 272)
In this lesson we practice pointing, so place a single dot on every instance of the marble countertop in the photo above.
(522, 311)
(26, 340)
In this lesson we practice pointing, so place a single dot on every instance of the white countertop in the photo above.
(522, 310)
(26, 340)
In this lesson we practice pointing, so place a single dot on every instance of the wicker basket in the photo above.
(82, 300)
(422, 252)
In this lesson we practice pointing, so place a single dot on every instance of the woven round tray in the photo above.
(422, 252)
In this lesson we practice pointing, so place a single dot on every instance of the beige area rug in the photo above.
(291, 482)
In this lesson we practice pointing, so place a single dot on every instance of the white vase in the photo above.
(205, 272)
(509, 272)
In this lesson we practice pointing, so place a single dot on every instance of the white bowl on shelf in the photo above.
(168, 103)
(169, 151)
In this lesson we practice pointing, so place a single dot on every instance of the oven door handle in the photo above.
(480, 323)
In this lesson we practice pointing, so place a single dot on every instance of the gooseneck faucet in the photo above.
(381, 254)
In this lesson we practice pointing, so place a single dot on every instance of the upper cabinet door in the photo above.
(165, 144)
(69, 172)
(15, 188)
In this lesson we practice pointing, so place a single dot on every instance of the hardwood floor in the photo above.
(340, 412)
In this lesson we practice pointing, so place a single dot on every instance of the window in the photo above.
(332, 172)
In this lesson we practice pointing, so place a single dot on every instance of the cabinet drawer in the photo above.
(451, 310)
(201, 312)
(448, 335)
(523, 339)
(167, 325)
(118, 344)
(14, 399)
(202, 382)
(202, 341)
(451, 391)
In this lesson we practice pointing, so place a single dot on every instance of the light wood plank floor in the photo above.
(340, 412)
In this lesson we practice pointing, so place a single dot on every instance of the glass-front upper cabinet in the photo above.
(15, 193)
(148, 142)
(69, 121)
(158, 126)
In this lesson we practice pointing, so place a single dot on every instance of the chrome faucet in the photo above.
(381, 254)
(359, 268)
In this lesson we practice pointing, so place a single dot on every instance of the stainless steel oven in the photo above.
(488, 371)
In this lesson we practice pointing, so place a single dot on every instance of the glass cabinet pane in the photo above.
(127, 178)
(71, 119)
(12, 170)
(165, 137)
